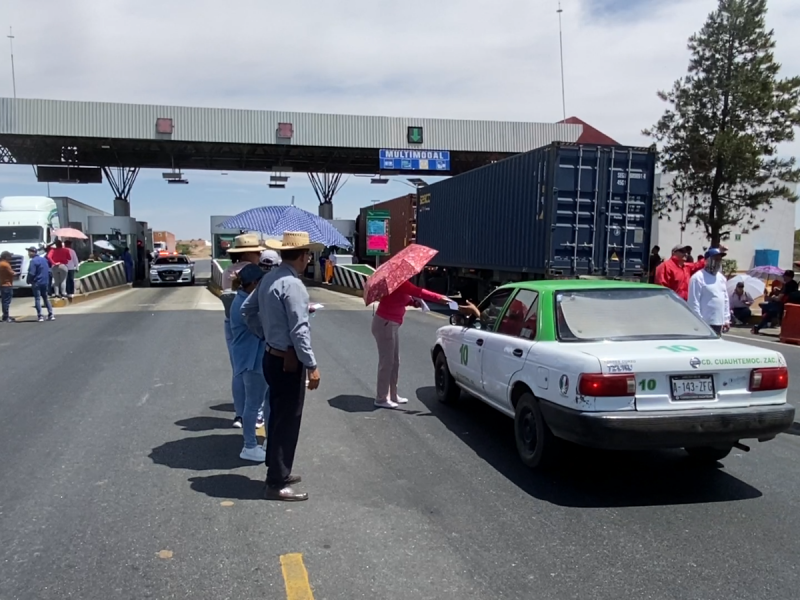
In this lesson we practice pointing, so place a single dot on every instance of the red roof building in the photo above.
(590, 135)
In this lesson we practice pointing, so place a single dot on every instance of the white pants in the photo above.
(60, 280)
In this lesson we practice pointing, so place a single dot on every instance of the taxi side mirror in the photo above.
(458, 320)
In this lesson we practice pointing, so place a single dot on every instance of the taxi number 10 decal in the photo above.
(464, 351)
(677, 348)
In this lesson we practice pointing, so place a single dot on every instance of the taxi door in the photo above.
(467, 368)
(506, 349)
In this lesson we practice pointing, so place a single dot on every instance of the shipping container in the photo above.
(564, 210)
(402, 226)
(165, 237)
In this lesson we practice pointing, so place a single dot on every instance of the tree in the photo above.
(727, 117)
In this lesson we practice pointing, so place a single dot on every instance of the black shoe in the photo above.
(285, 494)
(292, 479)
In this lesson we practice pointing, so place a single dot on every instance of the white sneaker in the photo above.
(237, 422)
(257, 454)
(385, 404)
(400, 400)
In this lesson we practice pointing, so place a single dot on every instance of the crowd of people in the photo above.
(705, 288)
(51, 274)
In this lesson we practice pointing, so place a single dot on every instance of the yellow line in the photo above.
(295, 577)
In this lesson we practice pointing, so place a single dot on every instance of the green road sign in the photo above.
(415, 135)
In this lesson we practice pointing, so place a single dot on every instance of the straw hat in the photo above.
(294, 240)
(247, 242)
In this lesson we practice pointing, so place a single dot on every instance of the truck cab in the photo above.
(26, 221)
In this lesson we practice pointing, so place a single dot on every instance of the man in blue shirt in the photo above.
(39, 280)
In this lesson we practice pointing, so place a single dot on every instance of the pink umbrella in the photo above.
(70, 233)
(398, 269)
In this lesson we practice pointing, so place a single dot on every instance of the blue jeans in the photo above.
(7, 293)
(39, 292)
(237, 383)
(256, 394)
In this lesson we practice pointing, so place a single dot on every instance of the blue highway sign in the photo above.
(415, 160)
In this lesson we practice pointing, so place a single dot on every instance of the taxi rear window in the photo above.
(171, 260)
(625, 314)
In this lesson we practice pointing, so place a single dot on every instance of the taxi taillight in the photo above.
(773, 378)
(599, 385)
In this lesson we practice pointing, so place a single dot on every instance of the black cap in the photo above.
(250, 273)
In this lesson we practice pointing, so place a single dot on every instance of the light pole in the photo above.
(10, 37)
(561, 50)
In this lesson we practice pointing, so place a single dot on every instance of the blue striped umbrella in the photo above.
(274, 220)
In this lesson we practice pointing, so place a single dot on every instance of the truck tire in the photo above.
(447, 390)
(708, 454)
(536, 445)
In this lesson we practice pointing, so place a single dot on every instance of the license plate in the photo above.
(169, 278)
(695, 387)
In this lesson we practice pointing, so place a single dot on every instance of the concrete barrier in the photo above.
(215, 282)
(108, 277)
(344, 276)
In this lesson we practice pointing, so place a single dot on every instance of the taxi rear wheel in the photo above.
(536, 444)
(708, 454)
(447, 391)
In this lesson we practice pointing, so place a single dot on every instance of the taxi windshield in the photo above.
(171, 260)
(626, 314)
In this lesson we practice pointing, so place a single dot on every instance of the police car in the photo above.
(171, 268)
(610, 364)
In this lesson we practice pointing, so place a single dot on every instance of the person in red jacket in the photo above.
(673, 273)
(385, 325)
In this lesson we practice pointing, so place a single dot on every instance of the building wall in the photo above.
(24, 116)
(775, 233)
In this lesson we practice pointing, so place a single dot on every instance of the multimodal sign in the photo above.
(414, 160)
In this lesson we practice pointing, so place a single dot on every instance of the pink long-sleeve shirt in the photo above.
(393, 307)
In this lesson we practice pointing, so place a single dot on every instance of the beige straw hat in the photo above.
(247, 242)
(294, 240)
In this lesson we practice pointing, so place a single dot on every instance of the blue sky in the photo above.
(466, 59)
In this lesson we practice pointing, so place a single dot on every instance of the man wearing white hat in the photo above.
(278, 311)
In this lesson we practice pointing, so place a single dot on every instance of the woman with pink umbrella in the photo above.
(390, 286)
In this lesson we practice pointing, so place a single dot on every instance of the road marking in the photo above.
(295, 577)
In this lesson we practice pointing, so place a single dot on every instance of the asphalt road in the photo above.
(120, 478)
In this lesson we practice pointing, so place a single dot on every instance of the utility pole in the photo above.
(561, 49)
(10, 37)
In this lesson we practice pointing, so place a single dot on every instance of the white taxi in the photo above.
(610, 364)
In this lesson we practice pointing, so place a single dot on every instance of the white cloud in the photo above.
(449, 58)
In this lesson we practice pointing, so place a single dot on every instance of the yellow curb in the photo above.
(78, 298)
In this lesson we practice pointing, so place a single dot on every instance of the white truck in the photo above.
(26, 221)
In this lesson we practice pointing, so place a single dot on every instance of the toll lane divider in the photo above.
(215, 283)
(350, 279)
(105, 281)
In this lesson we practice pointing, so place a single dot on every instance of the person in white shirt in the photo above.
(708, 293)
(72, 269)
(741, 303)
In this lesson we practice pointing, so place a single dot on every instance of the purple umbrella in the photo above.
(765, 272)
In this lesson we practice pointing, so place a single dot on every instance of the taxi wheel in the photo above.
(447, 391)
(536, 444)
(708, 454)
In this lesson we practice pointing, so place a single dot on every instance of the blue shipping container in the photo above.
(561, 210)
